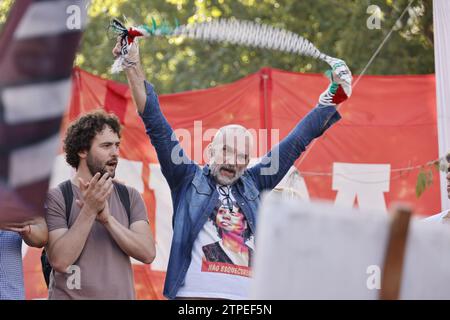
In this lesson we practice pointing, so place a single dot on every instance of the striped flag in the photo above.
(37, 50)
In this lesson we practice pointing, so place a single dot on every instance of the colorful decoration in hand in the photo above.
(239, 32)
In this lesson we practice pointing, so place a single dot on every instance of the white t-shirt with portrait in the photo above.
(222, 254)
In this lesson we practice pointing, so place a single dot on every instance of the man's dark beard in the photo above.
(95, 166)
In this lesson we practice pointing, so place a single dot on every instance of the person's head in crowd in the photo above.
(92, 143)
(229, 153)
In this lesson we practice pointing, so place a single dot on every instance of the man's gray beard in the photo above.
(225, 181)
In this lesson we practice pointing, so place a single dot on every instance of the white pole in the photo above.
(441, 14)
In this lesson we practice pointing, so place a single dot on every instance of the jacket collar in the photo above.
(206, 170)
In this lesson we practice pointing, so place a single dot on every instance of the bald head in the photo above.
(233, 133)
(229, 153)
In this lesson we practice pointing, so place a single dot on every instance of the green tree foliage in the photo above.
(5, 6)
(336, 27)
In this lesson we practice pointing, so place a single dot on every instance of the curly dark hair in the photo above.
(81, 132)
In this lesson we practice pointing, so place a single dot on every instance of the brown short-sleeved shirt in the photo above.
(105, 270)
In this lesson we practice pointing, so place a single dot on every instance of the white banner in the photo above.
(441, 12)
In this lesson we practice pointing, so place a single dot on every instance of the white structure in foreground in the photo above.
(321, 251)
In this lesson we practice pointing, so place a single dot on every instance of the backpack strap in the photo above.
(66, 189)
(124, 196)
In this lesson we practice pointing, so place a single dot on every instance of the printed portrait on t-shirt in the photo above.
(232, 253)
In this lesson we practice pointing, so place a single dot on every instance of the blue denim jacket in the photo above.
(193, 190)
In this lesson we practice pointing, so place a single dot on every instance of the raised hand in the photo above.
(117, 50)
(341, 74)
(127, 55)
